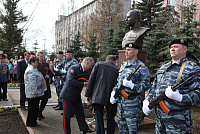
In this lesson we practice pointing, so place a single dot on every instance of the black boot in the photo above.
(59, 107)
(56, 105)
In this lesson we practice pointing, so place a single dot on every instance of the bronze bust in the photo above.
(136, 33)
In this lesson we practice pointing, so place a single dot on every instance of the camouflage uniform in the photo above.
(69, 63)
(128, 110)
(179, 120)
(58, 78)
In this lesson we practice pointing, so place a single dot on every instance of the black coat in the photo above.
(74, 83)
(41, 68)
(21, 67)
(101, 82)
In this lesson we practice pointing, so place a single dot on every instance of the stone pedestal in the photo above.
(142, 55)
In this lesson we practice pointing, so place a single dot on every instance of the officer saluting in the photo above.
(179, 102)
(128, 109)
(58, 78)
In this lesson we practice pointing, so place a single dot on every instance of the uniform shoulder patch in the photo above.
(72, 71)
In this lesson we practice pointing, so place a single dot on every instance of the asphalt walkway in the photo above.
(53, 121)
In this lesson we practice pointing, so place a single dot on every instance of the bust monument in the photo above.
(136, 33)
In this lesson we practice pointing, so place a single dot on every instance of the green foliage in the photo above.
(11, 35)
(93, 48)
(190, 31)
(77, 47)
(149, 9)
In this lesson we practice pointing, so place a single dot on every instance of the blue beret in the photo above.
(179, 41)
(132, 45)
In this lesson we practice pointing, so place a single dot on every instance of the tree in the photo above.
(76, 46)
(148, 9)
(93, 48)
(190, 31)
(156, 42)
(11, 34)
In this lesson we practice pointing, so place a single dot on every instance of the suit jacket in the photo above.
(41, 68)
(21, 67)
(72, 88)
(101, 82)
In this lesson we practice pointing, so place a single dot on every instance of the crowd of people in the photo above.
(102, 81)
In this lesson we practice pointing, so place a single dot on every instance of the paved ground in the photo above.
(52, 124)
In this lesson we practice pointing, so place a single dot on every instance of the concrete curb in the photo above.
(30, 130)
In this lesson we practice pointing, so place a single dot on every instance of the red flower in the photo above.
(93, 114)
(47, 68)
(104, 110)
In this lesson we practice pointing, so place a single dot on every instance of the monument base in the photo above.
(147, 123)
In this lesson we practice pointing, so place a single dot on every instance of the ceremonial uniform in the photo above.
(58, 78)
(71, 94)
(179, 120)
(128, 110)
(4, 76)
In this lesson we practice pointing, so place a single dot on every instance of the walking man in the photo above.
(178, 121)
(101, 82)
(44, 69)
(128, 109)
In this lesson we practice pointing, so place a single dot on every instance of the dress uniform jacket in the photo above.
(72, 88)
(4, 73)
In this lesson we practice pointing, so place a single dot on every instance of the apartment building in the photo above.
(66, 27)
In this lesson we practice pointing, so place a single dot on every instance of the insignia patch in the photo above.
(130, 45)
(163, 69)
(182, 41)
(72, 71)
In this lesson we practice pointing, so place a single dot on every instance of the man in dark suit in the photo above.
(101, 82)
(71, 94)
(46, 72)
(21, 67)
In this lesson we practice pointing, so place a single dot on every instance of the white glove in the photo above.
(60, 82)
(63, 71)
(173, 95)
(55, 69)
(53, 79)
(145, 107)
(112, 99)
(127, 83)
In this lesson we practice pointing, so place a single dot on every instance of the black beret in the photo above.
(60, 52)
(132, 45)
(179, 41)
(69, 51)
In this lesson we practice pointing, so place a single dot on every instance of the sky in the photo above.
(42, 15)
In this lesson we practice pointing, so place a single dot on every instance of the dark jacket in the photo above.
(21, 67)
(101, 82)
(73, 85)
(41, 68)
(4, 72)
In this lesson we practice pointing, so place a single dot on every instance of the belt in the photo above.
(133, 94)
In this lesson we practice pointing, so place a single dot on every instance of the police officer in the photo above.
(71, 94)
(70, 61)
(58, 78)
(128, 110)
(178, 121)
(4, 76)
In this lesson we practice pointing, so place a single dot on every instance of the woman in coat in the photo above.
(34, 88)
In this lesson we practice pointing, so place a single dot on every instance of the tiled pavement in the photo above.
(52, 124)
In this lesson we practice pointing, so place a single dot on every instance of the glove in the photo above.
(127, 83)
(63, 71)
(145, 107)
(55, 69)
(60, 82)
(53, 79)
(112, 99)
(173, 95)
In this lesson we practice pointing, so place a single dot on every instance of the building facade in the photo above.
(66, 27)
